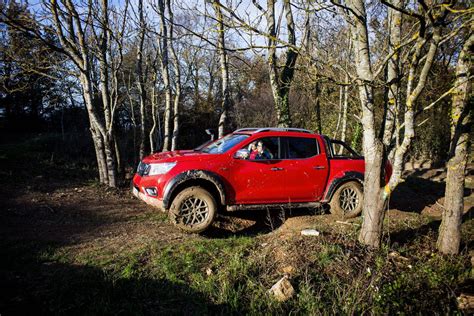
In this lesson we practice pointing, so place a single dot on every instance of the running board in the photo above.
(232, 208)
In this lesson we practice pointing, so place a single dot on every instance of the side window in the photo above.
(299, 147)
(264, 149)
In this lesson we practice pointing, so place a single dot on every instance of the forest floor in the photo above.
(70, 245)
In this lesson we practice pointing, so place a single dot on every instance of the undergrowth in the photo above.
(233, 275)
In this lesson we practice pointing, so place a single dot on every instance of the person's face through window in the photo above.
(260, 147)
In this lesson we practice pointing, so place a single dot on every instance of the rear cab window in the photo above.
(301, 147)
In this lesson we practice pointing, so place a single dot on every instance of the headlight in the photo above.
(160, 168)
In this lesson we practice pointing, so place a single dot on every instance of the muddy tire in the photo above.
(347, 201)
(193, 210)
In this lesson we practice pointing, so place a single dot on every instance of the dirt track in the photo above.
(84, 216)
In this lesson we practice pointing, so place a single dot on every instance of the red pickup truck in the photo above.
(252, 168)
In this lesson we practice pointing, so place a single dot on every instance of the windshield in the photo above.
(224, 144)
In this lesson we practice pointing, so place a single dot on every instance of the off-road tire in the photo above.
(347, 201)
(193, 210)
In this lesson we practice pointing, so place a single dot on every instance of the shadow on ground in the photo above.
(408, 235)
(30, 286)
(415, 194)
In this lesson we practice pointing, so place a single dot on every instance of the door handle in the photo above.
(319, 167)
(276, 169)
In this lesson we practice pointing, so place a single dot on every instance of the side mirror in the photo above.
(242, 154)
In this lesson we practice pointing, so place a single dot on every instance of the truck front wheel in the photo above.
(193, 210)
(347, 200)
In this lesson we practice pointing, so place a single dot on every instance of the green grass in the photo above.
(232, 276)
(155, 216)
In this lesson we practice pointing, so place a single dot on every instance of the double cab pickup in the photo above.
(252, 168)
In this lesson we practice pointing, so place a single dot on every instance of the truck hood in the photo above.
(177, 155)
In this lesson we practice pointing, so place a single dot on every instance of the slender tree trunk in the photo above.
(94, 128)
(317, 91)
(165, 75)
(280, 81)
(393, 73)
(118, 156)
(109, 146)
(177, 75)
(339, 112)
(344, 114)
(345, 106)
(132, 118)
(141, 79)
(449, 237)
(210, 89)
(109, 149)
(224, 69)
(177, 99)
(197, 101)
(154, 110)
(412, 96)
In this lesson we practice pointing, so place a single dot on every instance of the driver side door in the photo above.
(259, 180)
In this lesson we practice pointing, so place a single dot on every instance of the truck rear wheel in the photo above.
(193, 210)
(347, 201)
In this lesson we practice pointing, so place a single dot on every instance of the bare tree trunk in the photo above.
(106, 97)
(449, 237)
(100, 156)
(412, 96)
(94, 128)
(177, 75)
(339, 112)
(224, 68)
(345, 105)
(196, 97)
(317, 91)
(141, 79)
(118, 157)
(393, 73)
(165, 75)
(344, 111)
(109, 149)
(127, 85)
(373, 214)
(177, 100)
(154, 110)
(280, 81)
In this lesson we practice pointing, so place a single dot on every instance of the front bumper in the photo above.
(148, 199)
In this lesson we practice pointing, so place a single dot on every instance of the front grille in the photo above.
(143, 168)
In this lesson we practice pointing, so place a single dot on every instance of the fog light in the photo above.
(151, 191)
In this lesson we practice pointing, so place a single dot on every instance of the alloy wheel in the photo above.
(349, 199)
(194, 211)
